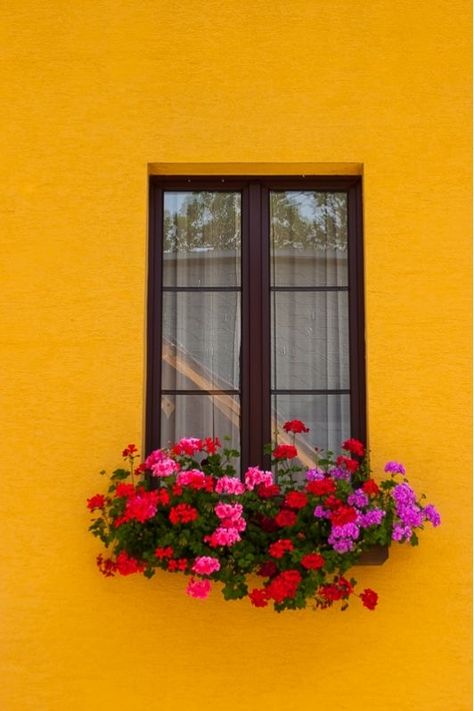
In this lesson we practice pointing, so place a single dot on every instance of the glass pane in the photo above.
(327, 416)
(200, 416)
(308, 232)
(310, 340)
(201, 340)
(201, 239)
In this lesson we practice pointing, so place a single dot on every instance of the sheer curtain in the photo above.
(310, 317)
(201, 312)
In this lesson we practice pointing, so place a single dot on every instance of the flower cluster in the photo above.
(184, 510)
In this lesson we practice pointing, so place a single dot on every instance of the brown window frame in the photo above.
(255, 386)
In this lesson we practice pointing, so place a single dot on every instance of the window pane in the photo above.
(200, 416)
(201, 340)
(327, 416)
(308, 232)
(310, 340)
(202, 239)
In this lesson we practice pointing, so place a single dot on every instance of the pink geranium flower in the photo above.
(229, 485)
(205, 565)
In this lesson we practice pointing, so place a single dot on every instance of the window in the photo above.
(255, 311)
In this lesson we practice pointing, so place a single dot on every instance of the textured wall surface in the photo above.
(94, 92)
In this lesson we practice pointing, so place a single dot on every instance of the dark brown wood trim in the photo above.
(245, 404)
(254, 356)
(265, 375)
(356, 314)
(155, 280)
(255, 289)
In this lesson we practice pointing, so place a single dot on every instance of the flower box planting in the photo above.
(184, 510)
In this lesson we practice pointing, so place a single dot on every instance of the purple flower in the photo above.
(401, 533)
(343, 545)
(394, 468)
(314, 474)
(321, 512)
(347, 530)
(342, 537)
(406, 508)
(432, 515)
(403, 494)
(411, 516)
(339, 473)
(358, 498)
(371, 518)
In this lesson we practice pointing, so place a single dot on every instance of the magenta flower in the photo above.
(432, 515)
(255, 476)
(232, 512)
(371, 518)
(223, 537)
(229, 485)
(199, 588)
(205, 565)
(165, 467)
(154, 458)
(394, 468)
(315, 474)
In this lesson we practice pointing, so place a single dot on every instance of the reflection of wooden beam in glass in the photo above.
(226, 404)
(229, 407)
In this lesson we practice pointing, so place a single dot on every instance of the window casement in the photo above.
(255, 311)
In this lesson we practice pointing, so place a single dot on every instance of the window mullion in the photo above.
(255, 333)
(265, 333)
(356, 314)
(155, 280)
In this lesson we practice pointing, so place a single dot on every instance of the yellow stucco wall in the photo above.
(95, 91)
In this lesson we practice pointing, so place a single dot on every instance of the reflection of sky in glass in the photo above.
(308, 238)
(202, 237)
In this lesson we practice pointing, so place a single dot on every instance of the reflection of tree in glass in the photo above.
(203, 220)
(303, 219)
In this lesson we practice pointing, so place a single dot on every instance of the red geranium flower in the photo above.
(284, 586)
(354, 446)
(127, 565)
(320, 487)
(296, 499)
(211, 445)
(96, 502)
(163, 497)
(350, 464)
(259, 598)
(369, 598)
(125, 490)
(182, 513)
(332, 502)
(280, 547)
(178, 564)
(166, 552)
(370, 487)
(130, 451)
(312, 561)
(268, 492)
(342, 515)
(268, 569)
(340, 589)
(268, 524)
(177, 490)
(295, 426)
(285, 517)
(285, 451)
